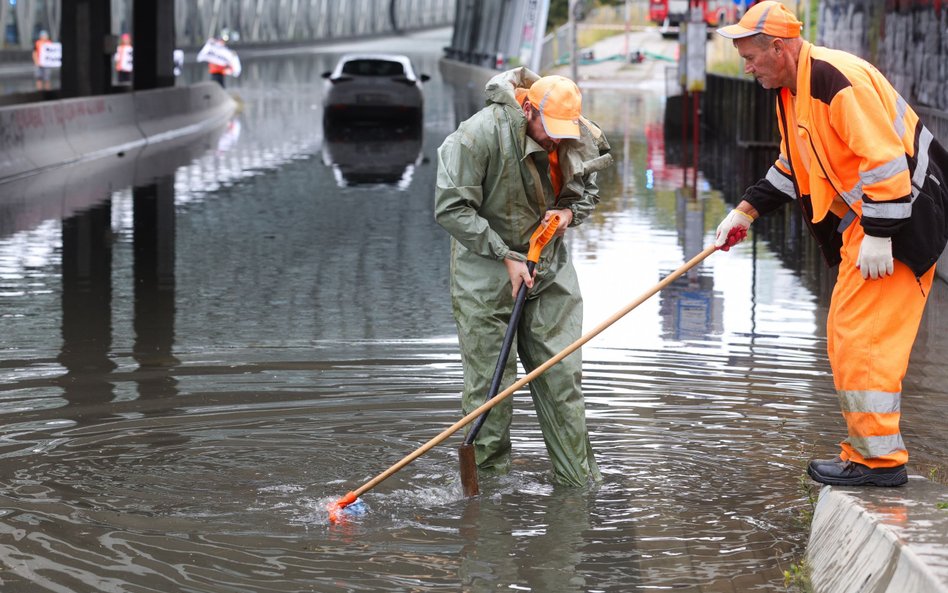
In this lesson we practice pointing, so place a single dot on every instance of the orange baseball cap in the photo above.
(560, 104)
(768, 17)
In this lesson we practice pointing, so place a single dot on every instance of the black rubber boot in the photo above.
(849, 473)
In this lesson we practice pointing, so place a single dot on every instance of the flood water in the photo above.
(194, 367)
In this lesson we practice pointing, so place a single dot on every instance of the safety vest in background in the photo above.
(213, 68)
(38, 49)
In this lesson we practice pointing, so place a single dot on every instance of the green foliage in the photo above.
(558, 15)
(797, 578)
(942, 505)
(559, 10)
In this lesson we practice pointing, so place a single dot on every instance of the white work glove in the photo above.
(732, 229)
(875, 257)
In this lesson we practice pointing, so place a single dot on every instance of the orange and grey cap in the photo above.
(560, 104)
(769, 17)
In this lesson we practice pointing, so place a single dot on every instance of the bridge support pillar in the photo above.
(153, 39)
(87, 48)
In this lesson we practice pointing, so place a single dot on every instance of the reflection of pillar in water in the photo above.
(690, 218)
(87, 306)
(154, 249)
(689, 308)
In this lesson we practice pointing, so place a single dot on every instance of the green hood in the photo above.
(500, 88)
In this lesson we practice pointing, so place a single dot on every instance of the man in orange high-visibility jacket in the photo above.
(871, 182)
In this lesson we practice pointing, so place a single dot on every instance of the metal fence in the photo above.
(498, 33)
(256, 21)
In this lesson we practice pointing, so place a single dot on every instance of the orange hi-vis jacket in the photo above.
(218, 69)
(38, 48)
(846, 162)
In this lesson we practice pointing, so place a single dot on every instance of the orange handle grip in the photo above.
(541, 237)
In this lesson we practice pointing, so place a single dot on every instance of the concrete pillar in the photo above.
(88, 47)
(153, 38)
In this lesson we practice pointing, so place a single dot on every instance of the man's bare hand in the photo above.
(518, 272)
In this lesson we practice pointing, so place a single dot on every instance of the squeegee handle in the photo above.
(541, 236)
(504, 355)
(532, 375)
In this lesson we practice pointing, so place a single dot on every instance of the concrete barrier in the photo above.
(38, 136)
(883, 540)
(101, 126)
(164, 114)
(60, 192)
(32, 138)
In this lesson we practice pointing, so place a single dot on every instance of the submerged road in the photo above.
(194, 366)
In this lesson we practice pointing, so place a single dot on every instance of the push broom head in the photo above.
(336, 508)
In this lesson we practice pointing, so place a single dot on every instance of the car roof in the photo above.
(376, 56)
(400, 58)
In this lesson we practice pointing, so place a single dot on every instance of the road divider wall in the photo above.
(39, 136)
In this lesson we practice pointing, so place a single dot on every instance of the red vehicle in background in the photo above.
(671, 13)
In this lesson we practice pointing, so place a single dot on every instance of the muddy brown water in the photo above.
(179, 407)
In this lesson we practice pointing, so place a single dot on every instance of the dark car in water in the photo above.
(373, 86)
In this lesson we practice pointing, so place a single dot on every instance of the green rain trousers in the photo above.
(493, 189)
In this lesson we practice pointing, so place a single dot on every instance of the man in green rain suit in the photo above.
(520, 159)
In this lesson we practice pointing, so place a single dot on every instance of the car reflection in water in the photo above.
(373, 152)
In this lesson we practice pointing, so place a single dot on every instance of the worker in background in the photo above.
(500, 175)
(42, 74)
(221, 60)
(871, 183)
(123, 59)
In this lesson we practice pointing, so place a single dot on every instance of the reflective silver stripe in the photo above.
(762, 21)
(784, 162)
(894, 211)
(877, 446)
(854, 195)
(901, 107)
(877, 402)
(921, 167)
(780, 181)
(846, 221)
(884, 171)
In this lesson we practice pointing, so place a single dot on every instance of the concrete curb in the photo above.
(884, 540)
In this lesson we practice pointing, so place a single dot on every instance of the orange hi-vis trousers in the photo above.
(871, 328)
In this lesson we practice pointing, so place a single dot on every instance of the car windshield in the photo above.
(373, 68)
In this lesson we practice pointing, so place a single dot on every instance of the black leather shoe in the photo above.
(850, 473)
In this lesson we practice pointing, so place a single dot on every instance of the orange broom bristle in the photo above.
(336, 507)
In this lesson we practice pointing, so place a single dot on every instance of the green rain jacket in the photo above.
(493, 190)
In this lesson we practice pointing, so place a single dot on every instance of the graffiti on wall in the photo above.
(907, 41)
